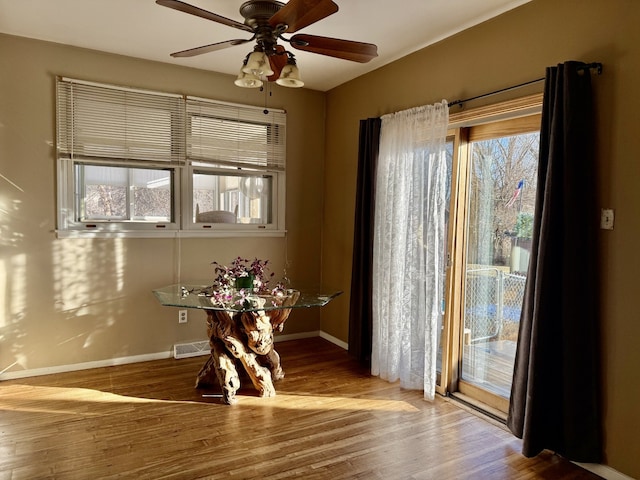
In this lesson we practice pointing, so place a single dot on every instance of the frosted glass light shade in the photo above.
(290, 77)
(258, 65)
(247, 80)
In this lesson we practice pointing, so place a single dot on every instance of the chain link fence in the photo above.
(493, 302)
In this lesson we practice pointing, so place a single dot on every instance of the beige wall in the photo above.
(67, 301)
(514, 48)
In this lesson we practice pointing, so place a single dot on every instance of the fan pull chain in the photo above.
(267, 93)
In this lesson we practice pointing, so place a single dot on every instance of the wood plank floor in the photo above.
(489, 365)
(329, 420)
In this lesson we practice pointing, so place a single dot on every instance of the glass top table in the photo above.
(240, 327)
(201, 296)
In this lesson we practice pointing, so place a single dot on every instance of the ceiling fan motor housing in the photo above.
(257, 14)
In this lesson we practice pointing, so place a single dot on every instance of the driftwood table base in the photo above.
(240, 325)
(244, 339)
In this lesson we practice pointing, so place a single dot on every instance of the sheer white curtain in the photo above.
(409, 246)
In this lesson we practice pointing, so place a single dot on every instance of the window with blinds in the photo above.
(125, 155)
(237, 157)
(104, 122)
(223, 134)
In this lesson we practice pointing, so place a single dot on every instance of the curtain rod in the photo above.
(587, 66)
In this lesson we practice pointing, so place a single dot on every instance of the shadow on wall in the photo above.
(11, 260)
(60, 298)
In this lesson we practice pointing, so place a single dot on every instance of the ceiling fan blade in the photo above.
(199, 12)
(298, 14)
(192, 52)
(277, 61)
(335, 47)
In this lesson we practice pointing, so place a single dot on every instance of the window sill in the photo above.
(227, 233)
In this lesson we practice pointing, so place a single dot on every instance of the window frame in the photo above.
(175, 159)
(228, 229)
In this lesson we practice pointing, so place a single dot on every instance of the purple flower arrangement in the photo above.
(242, 278)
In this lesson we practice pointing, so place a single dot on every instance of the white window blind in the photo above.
(103, 122)
(235, 135)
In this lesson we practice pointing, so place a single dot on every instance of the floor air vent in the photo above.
(193, 349)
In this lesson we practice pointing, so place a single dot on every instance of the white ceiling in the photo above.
(143, 29)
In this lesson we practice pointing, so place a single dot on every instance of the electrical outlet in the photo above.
(182, 316)
(606, 219)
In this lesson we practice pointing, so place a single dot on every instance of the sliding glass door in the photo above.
(494, 183)
(502, 185)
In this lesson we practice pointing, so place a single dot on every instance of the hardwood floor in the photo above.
(329, 420)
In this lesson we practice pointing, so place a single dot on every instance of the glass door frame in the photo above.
(452, 340)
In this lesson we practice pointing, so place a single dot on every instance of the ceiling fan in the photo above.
(267, 21)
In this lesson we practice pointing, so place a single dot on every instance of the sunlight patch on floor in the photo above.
(74, 401)
(327, 402)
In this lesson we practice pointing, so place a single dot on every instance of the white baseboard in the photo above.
(295, 336)
(334, 340)
(604, 471)
(317, 333)
(35, 372)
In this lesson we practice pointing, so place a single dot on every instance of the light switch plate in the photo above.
(606, 219)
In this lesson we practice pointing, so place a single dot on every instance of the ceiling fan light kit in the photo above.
(267, 21)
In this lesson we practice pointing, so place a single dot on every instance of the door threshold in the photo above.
(476, 406)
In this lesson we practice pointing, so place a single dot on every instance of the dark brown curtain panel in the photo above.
(361, 269)
(555, 396)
